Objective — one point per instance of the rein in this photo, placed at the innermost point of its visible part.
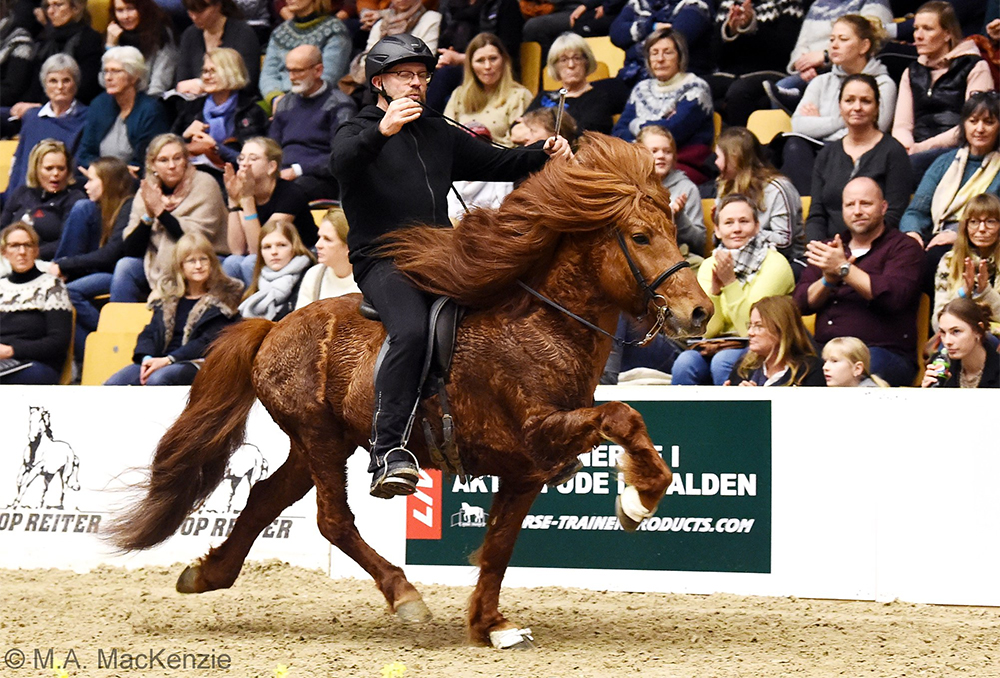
(658, 300)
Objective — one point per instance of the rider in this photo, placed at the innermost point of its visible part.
(395, 165)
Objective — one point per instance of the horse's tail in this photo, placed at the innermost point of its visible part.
(191, 457)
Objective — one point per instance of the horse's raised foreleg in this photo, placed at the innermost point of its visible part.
(336, 523)
(486, 625)
(267, 499)
(647, 476)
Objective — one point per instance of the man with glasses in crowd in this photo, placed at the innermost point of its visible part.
(395, 163)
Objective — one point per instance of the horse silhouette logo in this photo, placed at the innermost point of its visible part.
(247, 466)
(469, 516)
(52, 461)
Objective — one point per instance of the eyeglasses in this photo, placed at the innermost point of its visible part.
(985, 94)
(20, 246)
(113, 71)
(571, 59)
(196, 261)
(990, 224)
(407, 76)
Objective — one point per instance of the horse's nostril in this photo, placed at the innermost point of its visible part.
(699, 316)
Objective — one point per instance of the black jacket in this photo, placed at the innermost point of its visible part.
(103, 259)
(937, 106)
(390, 182)
(208, 317)
(813, 375)
(251, 121)
(45, 211)
(991, 371)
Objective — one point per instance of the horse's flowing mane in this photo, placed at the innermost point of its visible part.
(476, 262)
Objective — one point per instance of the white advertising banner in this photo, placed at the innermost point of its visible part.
(871, 494)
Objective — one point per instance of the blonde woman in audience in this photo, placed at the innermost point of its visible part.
(969, 268)
(191, 304)
(685, 201)
(488, 93)
(781, 351)
(743, 270)
(173, 199)
(36, 316)
(333, 276)
(281, 263)
(744, 170)
(972, 362)
(847, 362)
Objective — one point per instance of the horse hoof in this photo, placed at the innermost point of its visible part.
(413, 612)
(513, 639)
(627, 523)
(188, 581)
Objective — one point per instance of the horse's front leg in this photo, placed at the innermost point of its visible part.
(486, 624)
(647, 476)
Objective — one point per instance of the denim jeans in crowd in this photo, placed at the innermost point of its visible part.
(129, 282)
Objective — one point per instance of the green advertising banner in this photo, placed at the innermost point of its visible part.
(715, 517)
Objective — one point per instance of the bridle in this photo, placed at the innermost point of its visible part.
(658, 301)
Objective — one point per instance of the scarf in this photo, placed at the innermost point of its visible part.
(274, 288)
(181, 190)
(950, 196)
(394, 23)
(748, 259)
(221, 118)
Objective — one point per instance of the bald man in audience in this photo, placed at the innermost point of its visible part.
(867, 287)
(305, 122)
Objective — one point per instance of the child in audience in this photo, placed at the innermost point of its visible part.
(333, 276)
(847, 362)
(277, 276)
(191, 304)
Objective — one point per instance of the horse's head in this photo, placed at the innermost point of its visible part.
(38, 422)
(637, 259)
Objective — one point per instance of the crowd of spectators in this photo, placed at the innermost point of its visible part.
(179, 150)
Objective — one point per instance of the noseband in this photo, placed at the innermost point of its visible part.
(649, 289)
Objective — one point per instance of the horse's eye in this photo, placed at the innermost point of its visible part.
(640, 239)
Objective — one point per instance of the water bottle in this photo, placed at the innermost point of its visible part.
(941, 365)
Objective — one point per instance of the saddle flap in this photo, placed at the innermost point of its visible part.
(445, 316)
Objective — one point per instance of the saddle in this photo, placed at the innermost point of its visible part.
(442, 328)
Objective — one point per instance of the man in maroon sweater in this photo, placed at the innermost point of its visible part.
(868, 287)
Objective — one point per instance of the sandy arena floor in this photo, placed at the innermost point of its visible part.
(279, 616)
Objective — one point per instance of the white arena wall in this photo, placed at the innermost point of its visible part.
(874, 495)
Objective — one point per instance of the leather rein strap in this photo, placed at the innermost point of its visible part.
(658, 300)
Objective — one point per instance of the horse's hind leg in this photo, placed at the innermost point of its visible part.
(336, 523)
(486, 625)
(647, 476)
(267, 499)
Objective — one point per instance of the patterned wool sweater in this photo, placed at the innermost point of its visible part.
(36, 317)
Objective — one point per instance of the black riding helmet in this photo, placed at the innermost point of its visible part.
(397, 49)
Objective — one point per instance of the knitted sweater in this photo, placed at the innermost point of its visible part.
(816, 28)
(692, 18)
(305, 127)
(325, 32)
(683, 105)
(823, 92)
(36, 317)
(765, 43)
(67, 129)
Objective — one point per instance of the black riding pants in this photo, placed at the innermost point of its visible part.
(405, 312)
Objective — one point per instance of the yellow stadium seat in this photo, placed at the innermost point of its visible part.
(549, 84)
(607, 52)
(531, 65)
(767, 124)
(7, 148)
(318, 215)
(708, 212)
(67, 371)
(100, 11)
(717, 124)
(106, 353)
(806, 204)
(810, 322)
(120, 317)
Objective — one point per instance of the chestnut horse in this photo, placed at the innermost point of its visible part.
(522, 378)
